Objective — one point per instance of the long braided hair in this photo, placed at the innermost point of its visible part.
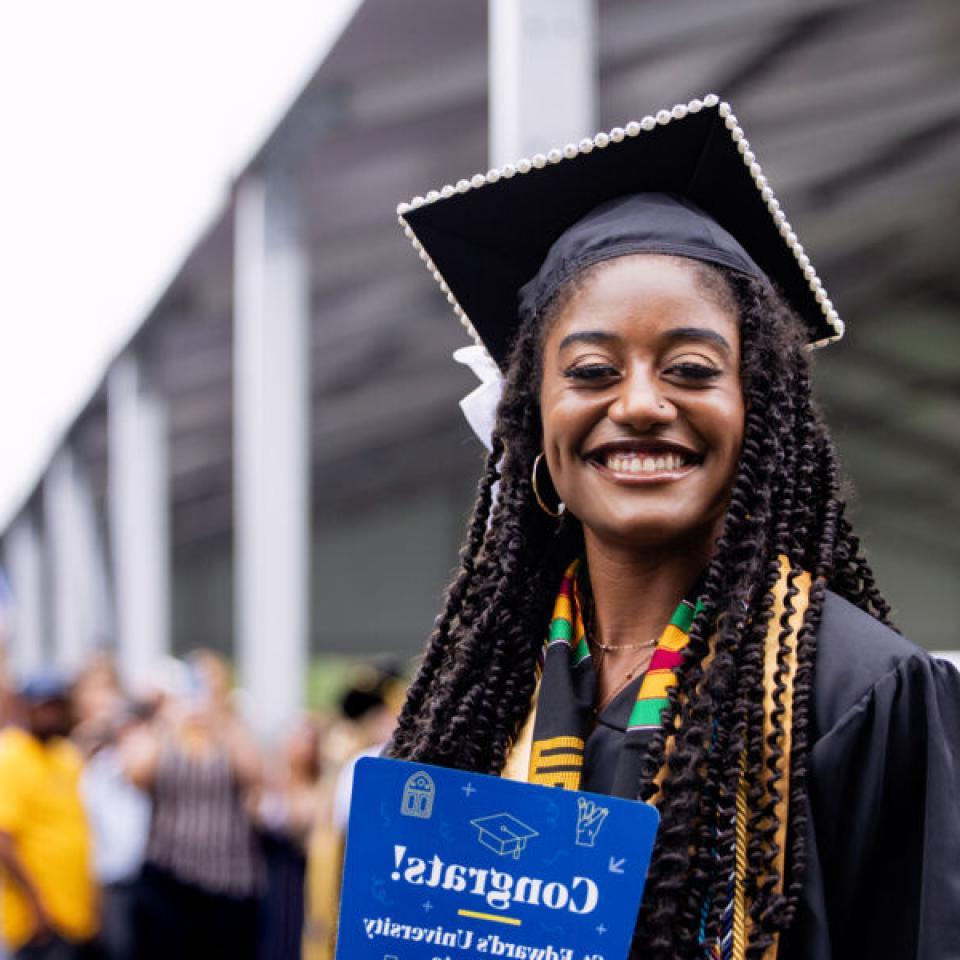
(474, 686)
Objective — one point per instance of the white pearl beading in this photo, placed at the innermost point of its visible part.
(600, 142)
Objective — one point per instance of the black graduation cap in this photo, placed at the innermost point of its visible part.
(486, 237)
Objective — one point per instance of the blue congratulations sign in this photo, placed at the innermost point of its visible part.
(447, 865)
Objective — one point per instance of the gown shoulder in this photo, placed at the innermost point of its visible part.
(854, 653)
(883, 829)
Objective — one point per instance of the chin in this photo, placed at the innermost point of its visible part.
(660, 533)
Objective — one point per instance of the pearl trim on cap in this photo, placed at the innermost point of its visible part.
(600, 142)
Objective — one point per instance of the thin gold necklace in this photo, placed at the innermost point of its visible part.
(630, 674)
(609, 647)
(604, 648)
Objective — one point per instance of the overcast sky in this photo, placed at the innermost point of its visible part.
(121, 125)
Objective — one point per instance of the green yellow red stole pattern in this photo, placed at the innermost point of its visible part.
(558, 760)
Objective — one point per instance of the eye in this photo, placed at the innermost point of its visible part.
(693, 370)
(590, 372)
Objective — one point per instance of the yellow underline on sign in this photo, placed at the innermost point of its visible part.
(512, 921)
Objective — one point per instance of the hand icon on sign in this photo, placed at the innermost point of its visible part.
(590, 817)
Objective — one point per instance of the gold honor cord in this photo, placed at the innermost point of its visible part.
(518, 759)
(740, 867)
(787, 675)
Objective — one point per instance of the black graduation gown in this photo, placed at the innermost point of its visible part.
(883, 850)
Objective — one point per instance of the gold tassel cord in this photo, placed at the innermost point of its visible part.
(740, 868)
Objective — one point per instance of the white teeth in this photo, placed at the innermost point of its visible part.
(635, 463)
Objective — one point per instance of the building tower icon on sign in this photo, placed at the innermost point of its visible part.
(419, 793)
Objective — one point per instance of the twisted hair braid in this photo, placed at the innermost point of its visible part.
(474, 686)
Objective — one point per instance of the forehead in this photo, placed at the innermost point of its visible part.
(643, 295)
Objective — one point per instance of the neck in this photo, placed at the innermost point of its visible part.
(635, 593)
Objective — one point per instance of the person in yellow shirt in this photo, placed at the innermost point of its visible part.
(48, 899)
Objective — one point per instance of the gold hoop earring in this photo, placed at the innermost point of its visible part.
(561, 507)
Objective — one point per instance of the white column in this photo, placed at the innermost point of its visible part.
(542, 75)
(79, 598)
(139, 511)
(23, 557)
(271, 451)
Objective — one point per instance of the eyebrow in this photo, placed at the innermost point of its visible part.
(677, 333)
(699, 333)
(587, 336)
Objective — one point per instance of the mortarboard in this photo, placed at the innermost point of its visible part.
(486, 238)
(503, 834)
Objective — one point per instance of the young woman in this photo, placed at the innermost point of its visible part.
(198, 890)
(662, 503)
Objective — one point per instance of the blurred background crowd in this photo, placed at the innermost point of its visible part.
(151, 824)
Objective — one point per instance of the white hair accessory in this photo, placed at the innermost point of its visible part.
(480, 405)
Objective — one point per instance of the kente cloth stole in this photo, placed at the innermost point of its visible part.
(557, 760)
(550, 746)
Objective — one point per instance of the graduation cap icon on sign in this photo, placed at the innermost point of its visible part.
(504, 834)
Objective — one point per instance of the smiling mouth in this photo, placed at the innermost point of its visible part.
(644, 462)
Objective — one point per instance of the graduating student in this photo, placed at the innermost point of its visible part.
(662, 503)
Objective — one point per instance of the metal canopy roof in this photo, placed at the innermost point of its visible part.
(854, 111)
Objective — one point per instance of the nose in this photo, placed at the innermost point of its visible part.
(640, 402)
